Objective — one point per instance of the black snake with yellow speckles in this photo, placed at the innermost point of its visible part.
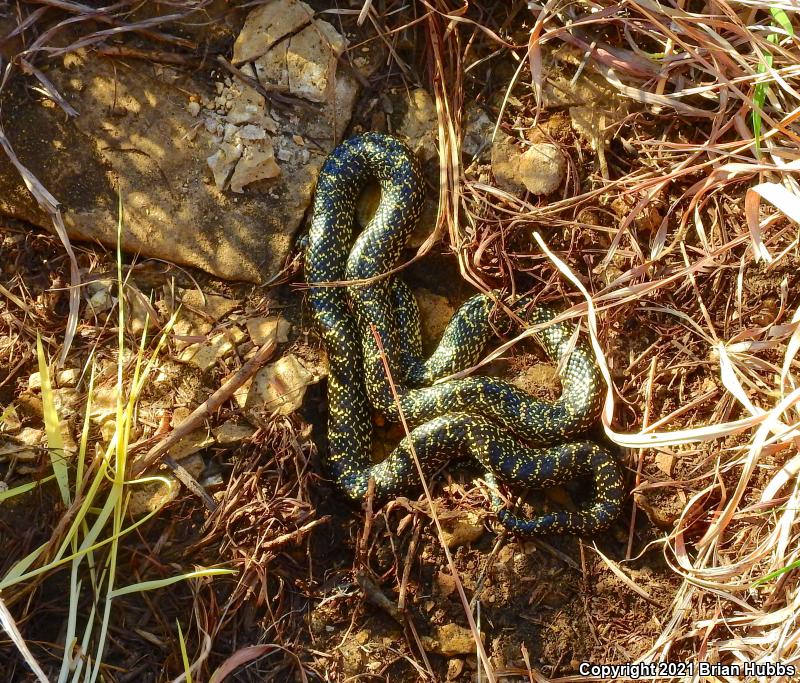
(517, 439)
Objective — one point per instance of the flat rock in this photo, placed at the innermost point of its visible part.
(230, 433)
(278, 388)
(266, 25)
(154, 495)
(272, 328)
(204, 355)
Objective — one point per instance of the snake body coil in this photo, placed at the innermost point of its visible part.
(516, 438)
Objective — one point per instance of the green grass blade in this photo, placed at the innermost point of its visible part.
(162, 583)
(782, 20)
(184, 656)
(24, 488)
(17, 572)
(55, 442)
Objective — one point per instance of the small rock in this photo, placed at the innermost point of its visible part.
(9, 420)
(99, 302)
(466, 528)
(205, 355)
(230, 132)
(66, 400)
(539, 170)
(478, 130)
(100, 298)
(141, 315)
(268, 124)
(104, 403)
(193, 108)
(542, 168)
(180, 414)
(107, 430)
(662, 514)
(271, 67)
(353, 653)
(305, 63)
(435, 313)
(248, 107)
(68, 377)
(257, 163)
(67, 439)
(561, 90)
(311, 61)
(251, 131)
(75, 59)
(35, 380)
(229, 433)
(211, 124)
(665, 462)
(445, 583)
(505, 164)
(505, 558)
(30, 437)
(24, 447)
(264, 330)
(213, 305)
(279, 387)
(223, 161)
(152, 496)
(454, 668)
(341, 105)
(190, 444)
(450, 640)
(420, 124)
(241, 394)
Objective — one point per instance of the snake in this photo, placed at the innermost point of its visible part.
(368, 321)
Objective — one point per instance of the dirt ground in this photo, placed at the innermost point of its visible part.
(553, 600)
(329, 592)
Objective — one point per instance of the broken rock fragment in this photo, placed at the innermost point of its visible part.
(266, 25)
(257, 163)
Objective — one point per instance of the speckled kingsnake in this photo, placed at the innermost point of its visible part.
(482, 417)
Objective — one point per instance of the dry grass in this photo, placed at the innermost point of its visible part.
(722, 183)
(675, 239)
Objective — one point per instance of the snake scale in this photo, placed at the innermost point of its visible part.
(516, 438)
